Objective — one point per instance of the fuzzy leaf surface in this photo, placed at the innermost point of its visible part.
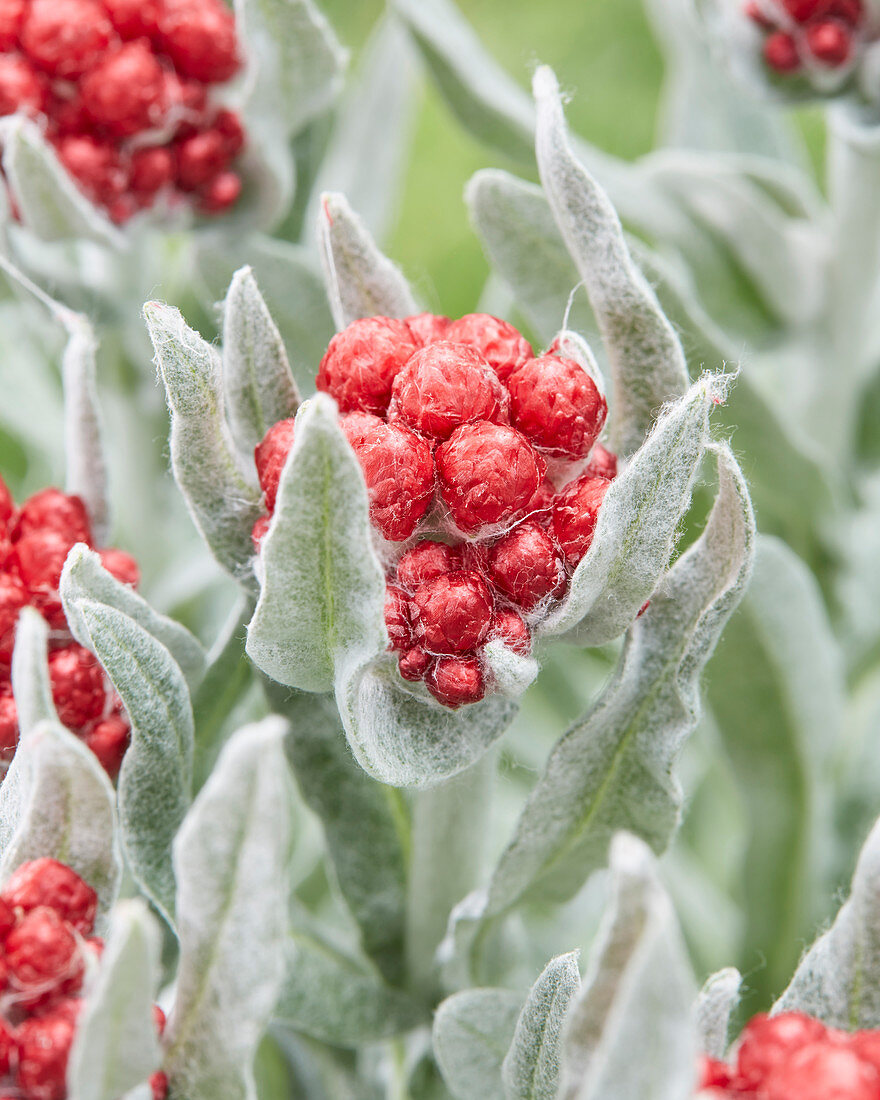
(717, 1001)
(231, 860)
(30, 672)
(472, 1034)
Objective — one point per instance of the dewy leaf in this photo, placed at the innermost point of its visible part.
(85, 578)
(156, 775)
(116, 1047)
(717, 1000)
(56, 800)
(231, 859)
(361, 282)
(221, 492)
(30, 672)
(647, 362)
(322, 587)
(638, 522)
(531, 1067)
(258, 386)
(472, 1034)
(630, 1032)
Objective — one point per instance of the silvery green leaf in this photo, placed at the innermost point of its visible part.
(361, 282)
(231, 860)
(616, 767)
(85, 578)
(630, 1032)
(531, 1067)
(511, 672)
(48, 201)
(116, 1047)
(56, 800)
(322, 588)
(219, 489)
(366, 826)
(638, 523)
(472, 1034)
(647, 362)
(836, 978)
(258, 386)
(777, 695)
(156, 776)
(717, 1000)
(30, 672)
(334, 999)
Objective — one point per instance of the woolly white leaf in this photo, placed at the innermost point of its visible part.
(116, 1047)
(717, 1000)
(637, 524)
(231, 860)
(156, 775)
(511, 672)
(218, 488)
(647, 362)
(30, 672)
(630, 1031)
(56, 800)
(258, 386)
(361, 282)
(531, 1067)
(85, 578)
(472, 1034)
(322, 588)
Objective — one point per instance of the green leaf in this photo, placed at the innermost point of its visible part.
(220, 490)
(361, 282)
(647, 362)
(511, 672)
(717, 1001)
(472, 1034)
(322, 587)
(258, 386)
(57, 801)
(629, 1032)
(231, 859)
(116, 1047)
(531, 1067)
(156, 776)
(30, 672)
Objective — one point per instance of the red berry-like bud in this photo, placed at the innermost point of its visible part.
(108, 740)
(133, 18)
(358, 425)
(52, 510)
(822, 1071)
(13, 598)
(803, 10)
(426, 328)
(849, 12)
(159, 1085)
(456, 681)
(199, 36)
(39, 559)
(500, 344)
(556, 405)
(77, 686)
(426, 561)
(361, 362)
(200, 159)
(11, 19)
(714, 1074)
(44, 1044)
(21, 87)
(867, 1045)
(95, 165)
(270, 456)
(43, 956)
(488, 474)
(152, 168)
(397, 620)
(444, 385)
(124, 93)
(452, 613)
(414, 664)
(510, 628)
(574, 515)
(781, 52)
(65, 38)
(526, 565)
(8, 726)
(159, 1020)
(47, 882)
(768, 1041)
(120, 565)
(830, 42)
(221, 193)
(602, 464)
(228, 125)
(259, 531)
(399, 472)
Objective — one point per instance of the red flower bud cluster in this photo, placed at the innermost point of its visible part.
(122, 88)
(482, 467)
(47, 914)
(795, 1057)
(808, 35)
(34, 542)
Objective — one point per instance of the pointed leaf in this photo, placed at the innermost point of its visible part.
(258, 385)
(647, 362)
(231, 860)
(322, 588)
(630, 1032)
(30, 672)
(472, 1034)
(116, 1047)
(531, 1067)
(361, 282)
(717, 1001)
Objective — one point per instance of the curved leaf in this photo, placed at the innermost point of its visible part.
(472, 1034)
(30, 672)
(717, 1001)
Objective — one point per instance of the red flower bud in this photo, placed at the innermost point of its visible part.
(456, 681)
(526, 565)
(575, 511)
(556, 405)
(46, 882)
(452, 613)
(361, 362)
(500, 344)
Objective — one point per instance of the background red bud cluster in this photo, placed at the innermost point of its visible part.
(123, 89)
(484, 478)
(807, 32)
(34, 542)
